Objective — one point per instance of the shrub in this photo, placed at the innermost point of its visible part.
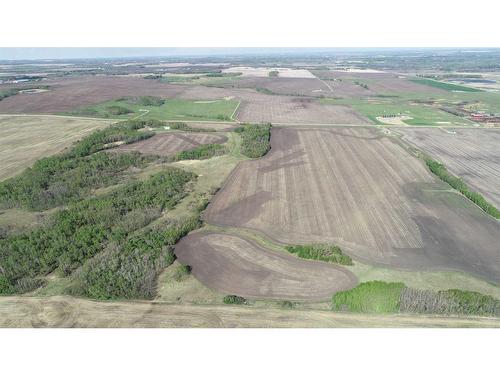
(255, 139)
(234, 300)
(181, 272)
(370, 297)
(326, 253)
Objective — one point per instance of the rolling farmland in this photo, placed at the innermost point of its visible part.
(166, 144)
(472, 154)
(364, 192)
(234, 265)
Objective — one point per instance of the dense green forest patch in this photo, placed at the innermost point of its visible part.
(201, 152)
(85, 228)
(255, 139)
(323, 252)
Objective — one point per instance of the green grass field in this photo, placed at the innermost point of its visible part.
(420, 114)
(445, 85)
(172, 109)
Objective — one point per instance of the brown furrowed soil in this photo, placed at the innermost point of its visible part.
(61, 311)
(362, 191)
(286, 109)
(232, 265)
(378, 83)
(25, 139)
(166, 144)
(472, 154)
(67, 94)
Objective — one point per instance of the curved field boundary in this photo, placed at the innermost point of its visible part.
(353, 188)
(233, 265)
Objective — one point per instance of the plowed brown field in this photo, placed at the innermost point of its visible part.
(233, 265)
(364, 192)
(171, 143)
(472, 154)
(285, 109)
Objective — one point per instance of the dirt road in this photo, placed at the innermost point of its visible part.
(73, 312)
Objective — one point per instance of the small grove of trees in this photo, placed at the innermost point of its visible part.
(323, 252)
(234, 300)
(255, 139)
(273, 73)
(145, 100)
(117, 110)
(457, 183)
(201, 152)
(389, 297)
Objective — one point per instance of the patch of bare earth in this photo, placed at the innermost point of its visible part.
(68, 94)
(362, 191)
(166, 144)
(296, 110)
(233, 265)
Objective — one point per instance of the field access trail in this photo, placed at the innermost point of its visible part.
(63, 311)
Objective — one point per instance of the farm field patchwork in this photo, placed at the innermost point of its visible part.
(363, 192)
(25, 139)
(233, 265)
(472, 154)
(166, 144)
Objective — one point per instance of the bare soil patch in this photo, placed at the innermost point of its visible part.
(67, 94)
(166, 144)
(296, 110)
(233, 265)
(472, 154)
(358, 189)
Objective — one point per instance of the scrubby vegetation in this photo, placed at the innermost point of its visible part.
(383, 297)
(117, 110)
(86, 227)
(145, 100)
(457, 183)
(323, 252)
(201, 152)
(255, 139)
(273, 73)
(69, 176)
(186, 128)
(181, 272)
(234, 300)
(449, 302)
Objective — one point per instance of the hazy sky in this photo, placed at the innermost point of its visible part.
(41, 53)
